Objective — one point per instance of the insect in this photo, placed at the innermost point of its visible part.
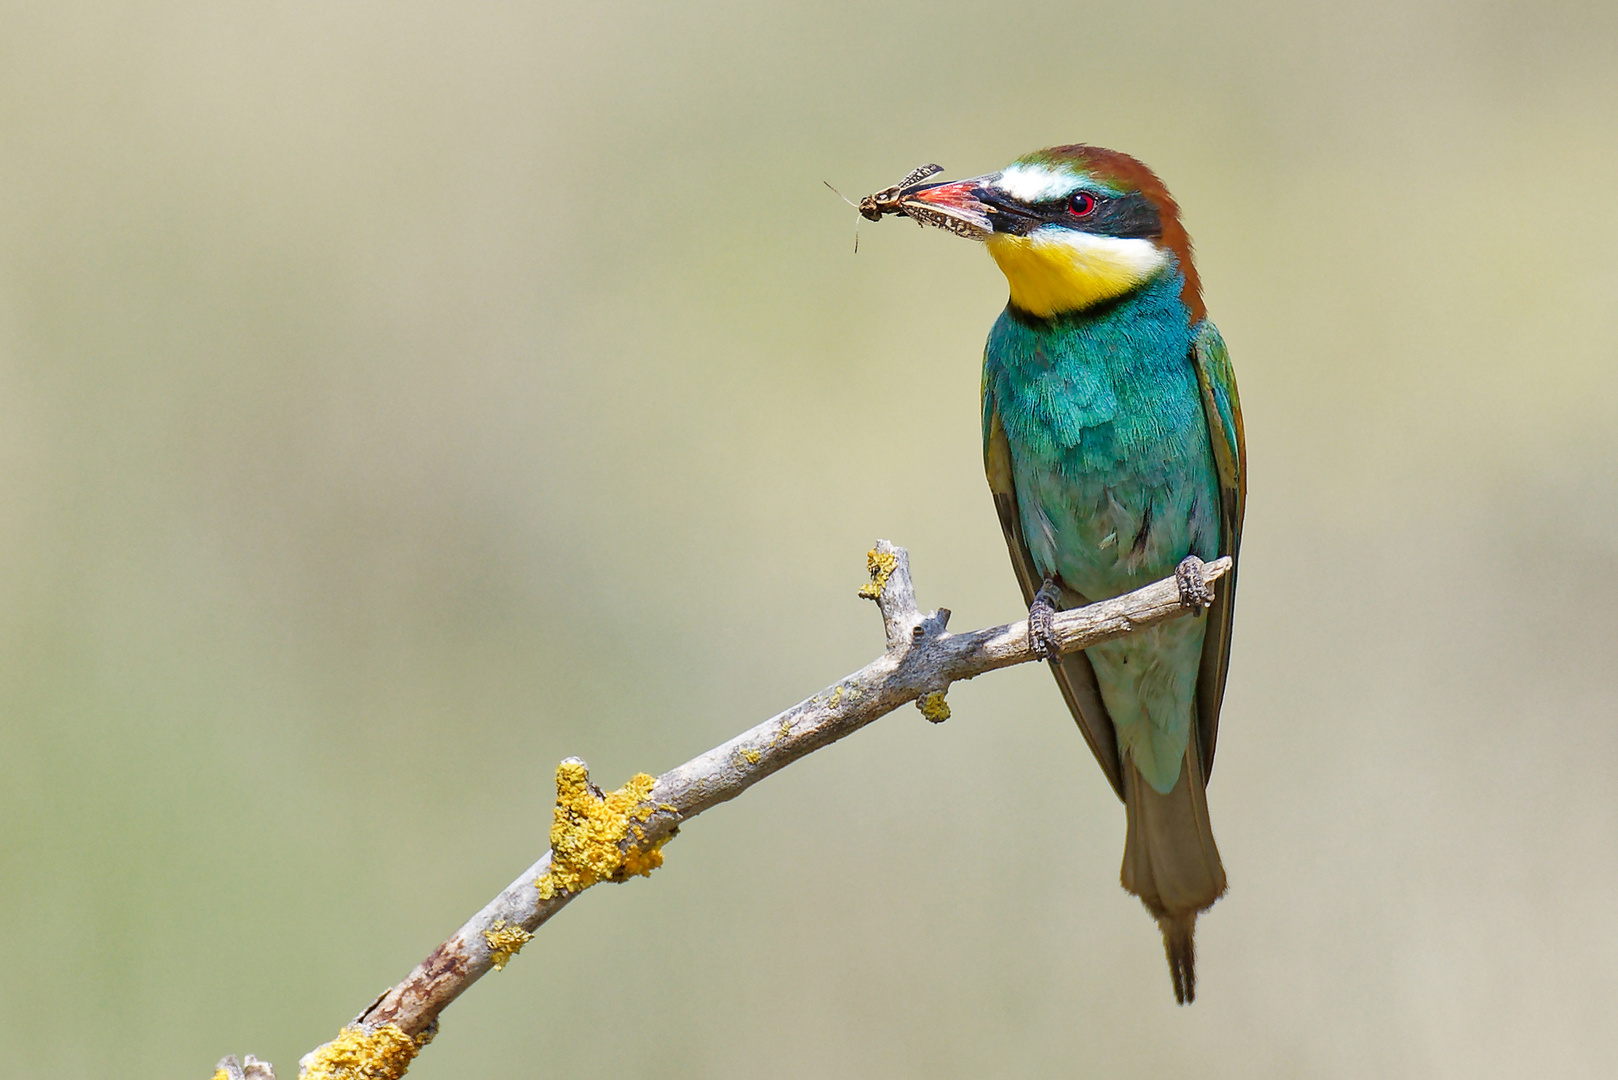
(971, 221)
(893, 200)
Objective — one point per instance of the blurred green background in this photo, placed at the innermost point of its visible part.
(397, 398)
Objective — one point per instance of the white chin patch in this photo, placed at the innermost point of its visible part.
(1035, 183)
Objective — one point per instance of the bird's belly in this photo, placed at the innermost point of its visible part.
(1107, 531)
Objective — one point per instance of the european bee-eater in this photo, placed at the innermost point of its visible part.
(1112, 438)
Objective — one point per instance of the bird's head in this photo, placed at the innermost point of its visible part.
(1071, 227)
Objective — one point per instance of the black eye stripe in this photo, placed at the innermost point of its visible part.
(1126, 216)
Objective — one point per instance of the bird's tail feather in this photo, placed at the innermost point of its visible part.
(1171, 863)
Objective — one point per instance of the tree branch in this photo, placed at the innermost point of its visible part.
(601, 836)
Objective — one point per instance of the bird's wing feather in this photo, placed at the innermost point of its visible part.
(1224, 412)
(1073, 671)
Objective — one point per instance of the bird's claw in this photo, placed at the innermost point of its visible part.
(1042, 621)
(1194, 591)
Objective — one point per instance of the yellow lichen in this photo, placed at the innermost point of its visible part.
(836, 696)
(933, 706)
(221, 1074)
(357, 1054)
(505, 941)
(752, 756)
(589, 829)
(643, 861)
(880, 564)
(783, 732)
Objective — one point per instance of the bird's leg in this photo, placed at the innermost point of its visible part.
(1042, 620)
(1194, 591)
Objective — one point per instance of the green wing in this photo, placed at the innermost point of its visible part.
(1224, 411)
(1073, 671)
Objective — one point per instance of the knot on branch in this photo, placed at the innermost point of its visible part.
(383, 1054)
(598, 836)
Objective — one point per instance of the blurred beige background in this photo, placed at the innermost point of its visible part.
(394, 399)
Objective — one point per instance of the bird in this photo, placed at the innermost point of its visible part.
(1115, 452)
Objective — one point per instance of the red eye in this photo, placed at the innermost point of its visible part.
(1082, 204)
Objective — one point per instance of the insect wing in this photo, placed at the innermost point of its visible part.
(916, 176)
(923, 214)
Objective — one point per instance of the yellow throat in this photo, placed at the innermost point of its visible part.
(1054, 270)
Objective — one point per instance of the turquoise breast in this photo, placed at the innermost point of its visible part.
(1116, 484)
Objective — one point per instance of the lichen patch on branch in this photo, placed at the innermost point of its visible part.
(933, 706)
(358, 1054)
(589, 830)
(881, 564)
(505, 941)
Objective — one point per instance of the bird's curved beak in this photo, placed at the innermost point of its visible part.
(972, 208)
(957, 205)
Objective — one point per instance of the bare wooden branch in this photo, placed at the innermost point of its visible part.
(921, 660)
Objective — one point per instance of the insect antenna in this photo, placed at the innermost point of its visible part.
(852, 203)
(840, 195)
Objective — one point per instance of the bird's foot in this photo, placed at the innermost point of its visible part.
(1194, 591)
(1042, 621)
